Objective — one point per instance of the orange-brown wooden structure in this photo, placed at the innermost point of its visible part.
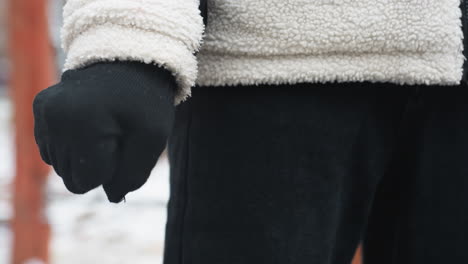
(32, 69)
(358, 258)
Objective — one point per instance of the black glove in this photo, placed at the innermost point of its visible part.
(105, 124)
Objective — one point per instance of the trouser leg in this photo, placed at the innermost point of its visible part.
(420, 215)
(277, 174)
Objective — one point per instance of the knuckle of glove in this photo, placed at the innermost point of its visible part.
(68, 112)
(73, 126)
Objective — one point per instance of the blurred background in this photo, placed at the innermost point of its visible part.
(40, 221)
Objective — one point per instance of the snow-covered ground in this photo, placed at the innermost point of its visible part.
(6, 173)
(87, 228)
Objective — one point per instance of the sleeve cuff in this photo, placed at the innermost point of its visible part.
(110, 42)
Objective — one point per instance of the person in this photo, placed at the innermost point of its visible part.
(297, 129)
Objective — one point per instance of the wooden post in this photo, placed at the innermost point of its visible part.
(358, 258)
(31, 70)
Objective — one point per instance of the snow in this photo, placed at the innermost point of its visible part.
(6, 173)
(87, 228)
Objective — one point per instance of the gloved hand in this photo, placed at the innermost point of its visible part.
(105, 124)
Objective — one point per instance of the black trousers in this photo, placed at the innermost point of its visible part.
(303, 173)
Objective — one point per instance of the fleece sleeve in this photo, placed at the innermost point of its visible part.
(163, 32)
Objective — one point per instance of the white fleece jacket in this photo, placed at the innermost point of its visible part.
(273, 41)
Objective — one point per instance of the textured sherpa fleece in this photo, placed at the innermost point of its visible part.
(162, 32)
(277, 41)
(272, 41)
